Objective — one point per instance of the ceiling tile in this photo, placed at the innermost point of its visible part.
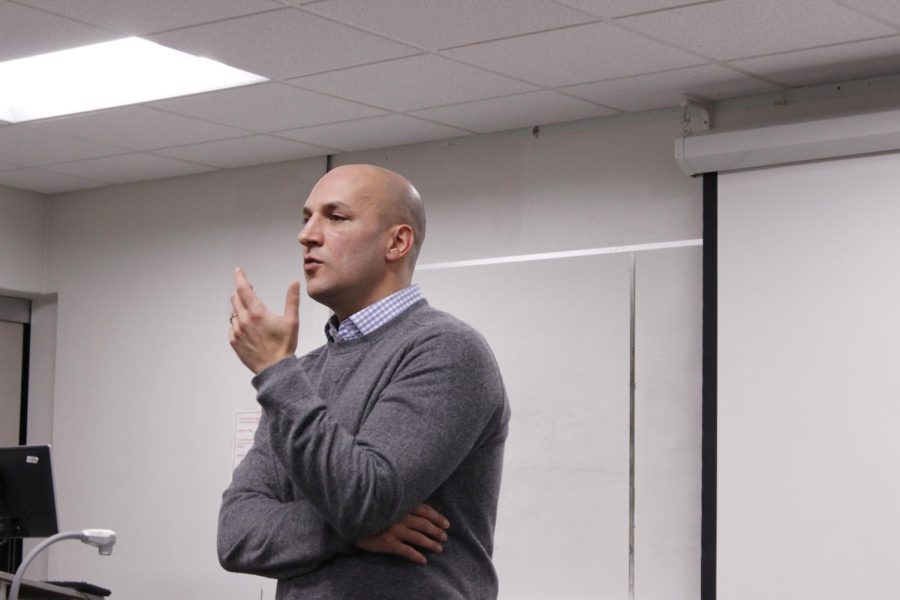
(266, 107)
(889, 10)
(7, 166)
(846, 62)
(138, 17)
(415, 82)
(242, 152)
(443, 23)
(662, 90)
(129, 167)
(25, 32)
(45, 182)
(137, 128)
(616, 8)
(575, 55)
(733, 29)
(513, 112)
(283, 43)
(376, 132)
(31, 147)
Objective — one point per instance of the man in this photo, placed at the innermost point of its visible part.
(370, 443)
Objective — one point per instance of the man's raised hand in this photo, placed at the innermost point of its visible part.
(424, 527)
(259, 336)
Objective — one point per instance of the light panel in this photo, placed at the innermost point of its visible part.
(117, 73)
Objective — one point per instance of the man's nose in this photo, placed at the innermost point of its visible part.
(309, 233)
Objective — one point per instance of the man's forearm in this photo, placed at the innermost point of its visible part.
(263, 530)
(262, 536)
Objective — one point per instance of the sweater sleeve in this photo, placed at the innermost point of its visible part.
(262, 533)
(422, 426)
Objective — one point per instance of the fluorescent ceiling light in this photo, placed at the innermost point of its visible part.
(126, 71)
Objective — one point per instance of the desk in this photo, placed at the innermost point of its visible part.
(36, 590)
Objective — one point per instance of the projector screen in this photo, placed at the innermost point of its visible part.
(809, 381)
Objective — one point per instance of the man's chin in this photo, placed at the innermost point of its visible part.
(318, 293)
(313, 292)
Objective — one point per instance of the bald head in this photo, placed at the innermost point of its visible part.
(362, 230)
(392, 194)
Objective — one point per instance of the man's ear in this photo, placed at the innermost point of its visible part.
(400, 242)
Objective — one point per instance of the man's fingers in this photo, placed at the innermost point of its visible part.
(403, 540)
(411, 536)
(425, 526)
(292, 301)
(237, 307)
(244, 290)
(410, 553)
(426, 512)
(240, 278)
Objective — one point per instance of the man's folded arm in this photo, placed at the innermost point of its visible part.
(263, 535)
(423, 425)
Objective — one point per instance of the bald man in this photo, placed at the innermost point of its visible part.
(376, 467)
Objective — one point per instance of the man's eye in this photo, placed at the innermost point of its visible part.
(335, 217)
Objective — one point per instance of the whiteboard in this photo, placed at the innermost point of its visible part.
(560, 331)
(668, 424)
(808, 410)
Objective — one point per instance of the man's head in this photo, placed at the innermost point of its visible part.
(363, 228)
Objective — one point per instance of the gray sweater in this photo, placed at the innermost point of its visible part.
(356, 434)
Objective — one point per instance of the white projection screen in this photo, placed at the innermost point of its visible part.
(809, 381)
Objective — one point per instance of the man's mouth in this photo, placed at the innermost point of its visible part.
(310, 263)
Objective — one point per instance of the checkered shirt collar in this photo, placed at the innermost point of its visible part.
(373, 316)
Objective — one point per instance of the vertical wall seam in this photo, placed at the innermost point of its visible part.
(631, 423)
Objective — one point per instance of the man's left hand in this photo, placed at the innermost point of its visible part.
(259, 336)
(424, 528)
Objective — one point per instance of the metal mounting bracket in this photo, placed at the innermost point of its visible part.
(696, 115)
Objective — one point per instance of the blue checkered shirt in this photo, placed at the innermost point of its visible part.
(373, 316)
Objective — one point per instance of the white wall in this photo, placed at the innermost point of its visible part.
(23, 241)
(595, 183)
(146, 384)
